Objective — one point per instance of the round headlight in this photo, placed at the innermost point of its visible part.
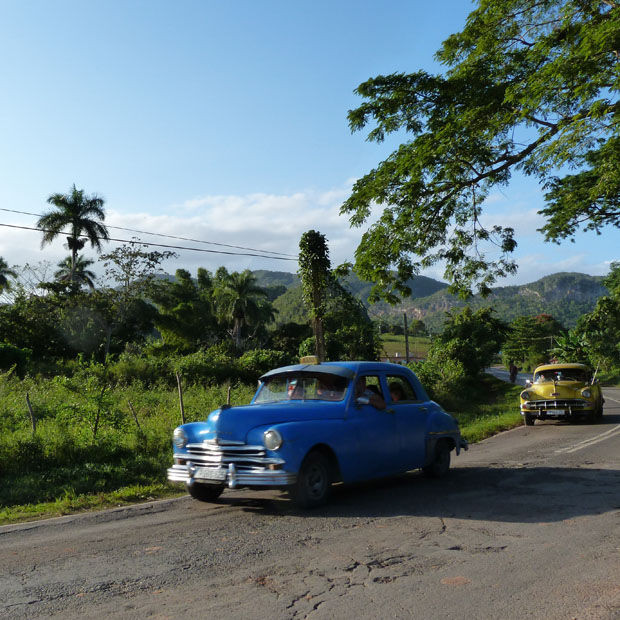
(586, 393)
(525, 395)
(179, 438)
(272, 439)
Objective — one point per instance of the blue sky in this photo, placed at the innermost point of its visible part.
(220, 121)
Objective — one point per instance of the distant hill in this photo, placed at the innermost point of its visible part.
(275, 278)
(566, 296)
(290, 305)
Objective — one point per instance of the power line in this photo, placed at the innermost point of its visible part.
(162, 245)
(145, 232)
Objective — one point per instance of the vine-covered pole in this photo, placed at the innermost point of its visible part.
(315, 273)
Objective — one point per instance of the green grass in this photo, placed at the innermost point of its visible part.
(392, 344)
(609, 379)
(492, 406)
(63, 470)
(70, 503)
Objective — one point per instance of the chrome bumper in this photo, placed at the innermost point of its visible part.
(232, 476)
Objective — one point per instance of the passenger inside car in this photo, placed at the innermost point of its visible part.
(362, 390)
(330, 388)
(396, 391)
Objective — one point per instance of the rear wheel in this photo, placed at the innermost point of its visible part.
(528, 420)
(205, 492)
(440, 464)
(314, 481)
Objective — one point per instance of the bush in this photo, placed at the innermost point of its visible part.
(443, 378)
(206, 367)
(257, 362)
(147, 370)
(12, 356)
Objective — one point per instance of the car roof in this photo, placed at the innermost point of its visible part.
(559, 366)
(340, 369)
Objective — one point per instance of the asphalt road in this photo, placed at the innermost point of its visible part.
(527, 525)
(504, 375)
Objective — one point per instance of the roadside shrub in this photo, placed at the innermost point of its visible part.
(206, 367)
(443, 377)
(130, 368)
(258, 361)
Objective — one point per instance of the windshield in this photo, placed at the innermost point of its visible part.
(561, 374)
(301, 386)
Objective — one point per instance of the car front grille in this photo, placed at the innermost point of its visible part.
(564, 403)
(240, 464)
(222, 454)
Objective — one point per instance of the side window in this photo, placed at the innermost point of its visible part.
(400, 389)
(373, 384)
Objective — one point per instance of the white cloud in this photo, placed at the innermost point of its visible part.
(263, 222)
(275, 223)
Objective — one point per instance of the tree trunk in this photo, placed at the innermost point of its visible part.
(237, 333)
(406, 338)
(319, 338)
(317, 324)
(73, 261)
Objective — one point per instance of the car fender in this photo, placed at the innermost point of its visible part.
(300, 438)
(442, 426)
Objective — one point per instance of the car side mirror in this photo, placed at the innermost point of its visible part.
(528, 383)
(362, 400)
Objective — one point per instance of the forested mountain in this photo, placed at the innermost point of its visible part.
(566, 296)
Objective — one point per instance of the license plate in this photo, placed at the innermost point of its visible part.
(207, 473)
(556, 412)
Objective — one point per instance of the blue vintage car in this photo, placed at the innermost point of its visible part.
(310, 425)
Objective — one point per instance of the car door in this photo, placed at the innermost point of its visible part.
(410, 416)
(377, 450)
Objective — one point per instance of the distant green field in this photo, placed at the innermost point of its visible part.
(391, 345)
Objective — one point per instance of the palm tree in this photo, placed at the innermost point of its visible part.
(5, 273)
(241, 301)
(78, 273)
(82, 214)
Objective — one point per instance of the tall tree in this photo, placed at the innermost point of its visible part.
(599, 329)
(531, 86)
(5, 273)
(78, 274)
(132, 270)
(473, 337)
(82, 215)
(241, 301)
(315, 274)
(186, 310)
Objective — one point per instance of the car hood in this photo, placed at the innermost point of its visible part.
(234, 423)
(562, 389)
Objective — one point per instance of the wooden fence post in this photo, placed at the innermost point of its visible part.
(135, 416)
(181, 398)
(32, 418)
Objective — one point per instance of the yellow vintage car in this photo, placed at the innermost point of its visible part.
(561, 392)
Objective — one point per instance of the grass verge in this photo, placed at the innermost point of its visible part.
(71, 503)
(493, 407)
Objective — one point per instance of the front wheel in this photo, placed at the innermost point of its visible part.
(205, 492)
(529, 420)
(314, 482)
(440, 464)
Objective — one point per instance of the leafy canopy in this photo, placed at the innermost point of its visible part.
(530, 85)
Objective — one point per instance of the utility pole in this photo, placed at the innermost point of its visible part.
(406, 339)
